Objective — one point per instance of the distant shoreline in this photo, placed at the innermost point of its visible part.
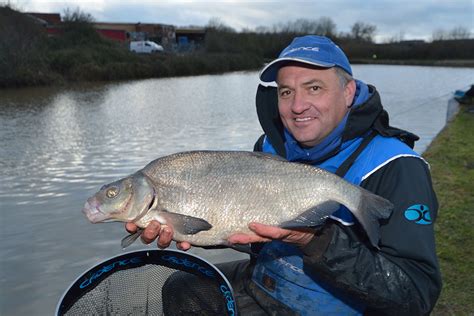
(186, 68)
(416, 62)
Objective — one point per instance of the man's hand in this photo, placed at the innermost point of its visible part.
(266, 233)
(163, 234)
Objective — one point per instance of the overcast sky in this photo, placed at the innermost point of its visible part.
(408, 19)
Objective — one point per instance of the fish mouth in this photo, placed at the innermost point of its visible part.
(92, 211)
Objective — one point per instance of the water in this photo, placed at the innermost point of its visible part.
(59, 145)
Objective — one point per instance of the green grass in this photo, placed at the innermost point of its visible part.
(451, 157)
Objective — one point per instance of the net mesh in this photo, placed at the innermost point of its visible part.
(129, 292)
(139, 291)
(192, 295)
(156, 282)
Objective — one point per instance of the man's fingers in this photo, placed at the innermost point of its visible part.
(151, 232)
(131, 227)
(155, 230)
(183, 245)
(166, 235)
(262, 233)
(271, 232)
(299, 237)
(247, 239)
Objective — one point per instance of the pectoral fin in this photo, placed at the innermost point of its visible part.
(315, 216)
(184, 224)
(130, 239)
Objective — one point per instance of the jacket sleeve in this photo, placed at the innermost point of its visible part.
(402, 278)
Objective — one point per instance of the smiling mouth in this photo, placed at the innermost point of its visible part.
(304, 119)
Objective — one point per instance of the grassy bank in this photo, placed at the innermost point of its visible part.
(451, 157)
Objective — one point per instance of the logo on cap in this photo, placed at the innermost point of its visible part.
(313, 49)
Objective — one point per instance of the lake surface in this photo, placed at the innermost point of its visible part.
(59, 145)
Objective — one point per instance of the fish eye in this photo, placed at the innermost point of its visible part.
(112, 192)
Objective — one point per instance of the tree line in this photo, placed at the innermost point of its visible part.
(29, 57)
(358, 44)
(359, 31)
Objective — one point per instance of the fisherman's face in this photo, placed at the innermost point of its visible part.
(312, 101)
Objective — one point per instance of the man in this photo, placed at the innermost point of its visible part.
(326, 118)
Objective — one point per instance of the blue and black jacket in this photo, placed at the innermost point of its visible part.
(339, 272)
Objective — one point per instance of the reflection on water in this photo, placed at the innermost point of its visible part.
(57, 146)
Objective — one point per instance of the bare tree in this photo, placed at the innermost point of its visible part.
(216, 24)
(363, 31)
(459, 32)
(439, 35)
(327, 27)
(78, 28)
(322, 26)
(262, 29)
(397, 38)
(77, 16)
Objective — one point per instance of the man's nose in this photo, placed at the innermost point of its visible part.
(300, 103)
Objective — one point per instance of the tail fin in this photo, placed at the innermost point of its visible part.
(372, 208)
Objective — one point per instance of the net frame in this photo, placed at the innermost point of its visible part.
(172, 260)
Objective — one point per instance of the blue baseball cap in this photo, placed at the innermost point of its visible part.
(310, 49)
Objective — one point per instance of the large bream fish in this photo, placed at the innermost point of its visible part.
(209, 195)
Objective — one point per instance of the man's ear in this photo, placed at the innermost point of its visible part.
(349, 92)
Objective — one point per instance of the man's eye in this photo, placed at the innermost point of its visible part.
(284, 93)
(315, 88)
